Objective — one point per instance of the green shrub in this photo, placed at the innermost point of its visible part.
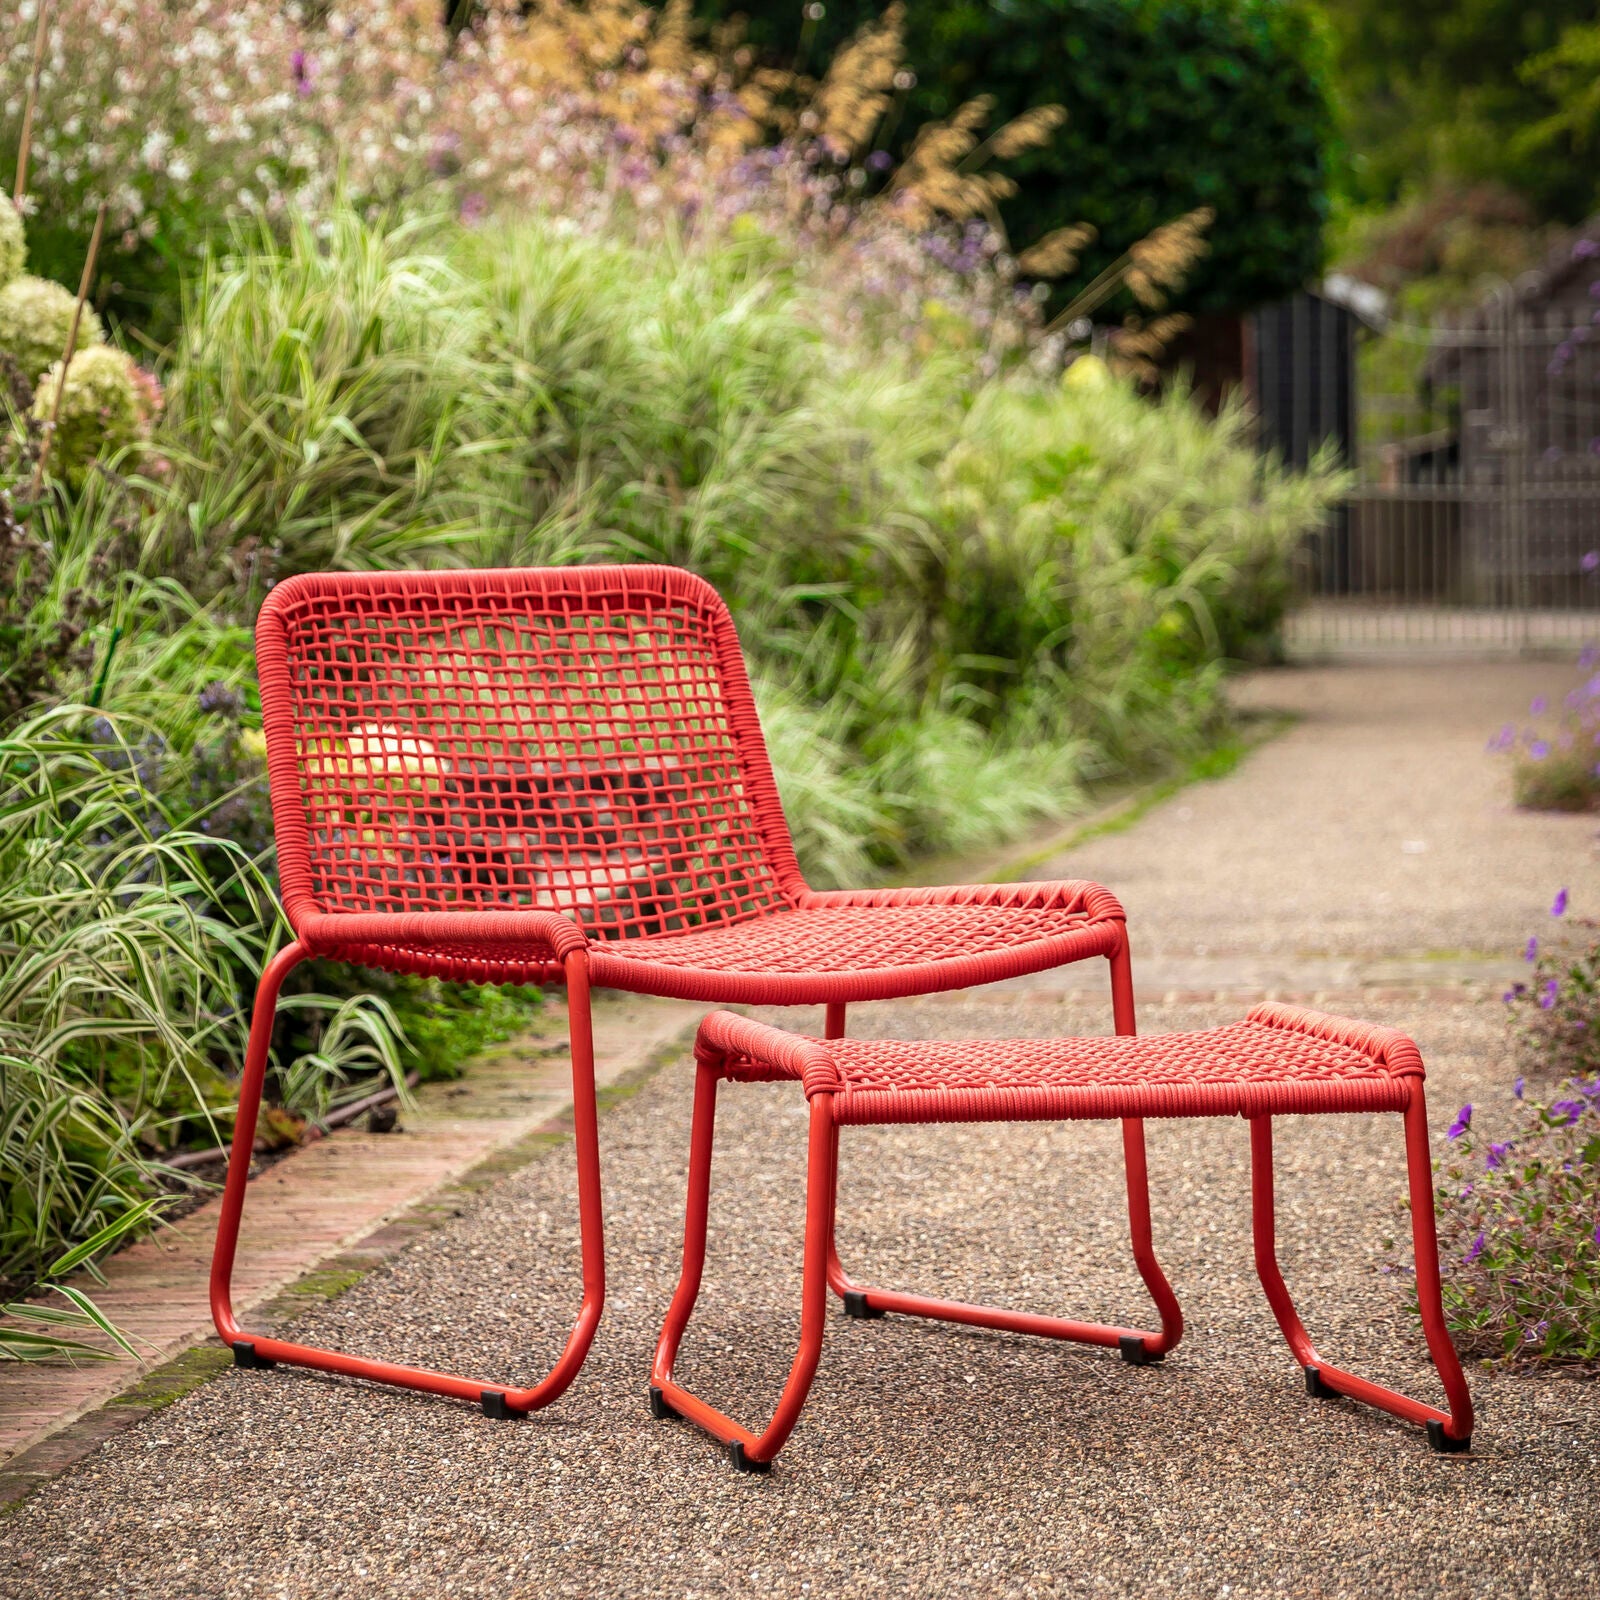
(324, 408)
(1555, 758)
(35, 318)
(1519, 1242)
(115, 961)
(1049, 573)
(1556, 1013)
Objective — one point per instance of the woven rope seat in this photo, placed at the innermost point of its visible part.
(1278, 1060)
(830, 947)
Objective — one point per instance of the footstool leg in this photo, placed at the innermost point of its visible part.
(1137, 1347)
(1448, 1431)
(749, 1452)
(1149, 1347)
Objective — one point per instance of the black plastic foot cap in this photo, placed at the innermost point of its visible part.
(494, 1405)
(1316, 1388)
(1443, 1443)
(742, 1462)
(1131, 1348)
(855, 1305)
(659, 1408)
(244, 1355)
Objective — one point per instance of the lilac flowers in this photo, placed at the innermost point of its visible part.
(1461, 1124)
(1559, 907)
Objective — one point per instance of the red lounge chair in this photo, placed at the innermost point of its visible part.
(541, 775)
(1279, 1060)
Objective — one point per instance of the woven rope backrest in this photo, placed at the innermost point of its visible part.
(578, 739)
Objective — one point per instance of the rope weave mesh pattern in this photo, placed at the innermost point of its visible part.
(565, 740)
(1278, 1059)
(846, 938)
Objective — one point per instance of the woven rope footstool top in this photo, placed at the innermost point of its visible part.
(1280, 1059)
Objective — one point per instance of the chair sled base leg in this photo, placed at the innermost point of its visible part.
(660, 1408)
(1316, 1388)
(742, 1462)
(244, 1355)
(1443, 1443)
(855, 1305)
(1131, 1347)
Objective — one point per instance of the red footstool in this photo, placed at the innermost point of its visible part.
(1278, 1060)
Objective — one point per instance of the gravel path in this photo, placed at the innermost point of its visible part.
(931, 1460)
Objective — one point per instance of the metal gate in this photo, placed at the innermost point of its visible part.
(1474, 522)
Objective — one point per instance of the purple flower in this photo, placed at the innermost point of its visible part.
(1597, 1233)
(1590, 558)
(1536, 1332)
(218, 699)
(1559, 908)
(1496, 1158)
(879, 161)
(1538, 706)
(1476, 1250)
(1531, 951)
(1519, 1086)
(1548, 991)
(300, 71)
(1461, 1124)
(473, 207)
(1568, 1110)
(1504, 740)
(1584, 249)
(1539, 749)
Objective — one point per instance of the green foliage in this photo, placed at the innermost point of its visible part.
(95, 407)
(133, 909)
(40, 1332)
(1171, 105)
(114, 956)
(1518, 1241)
(1557, 1012)
(323, 408)
(1445, 91)
(1041, 574)
(1569, 75)
(1553, 756)
(13, 243)
(1563, 780)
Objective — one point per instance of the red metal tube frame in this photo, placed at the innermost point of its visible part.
(498, 1399)
(1448, 1430)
